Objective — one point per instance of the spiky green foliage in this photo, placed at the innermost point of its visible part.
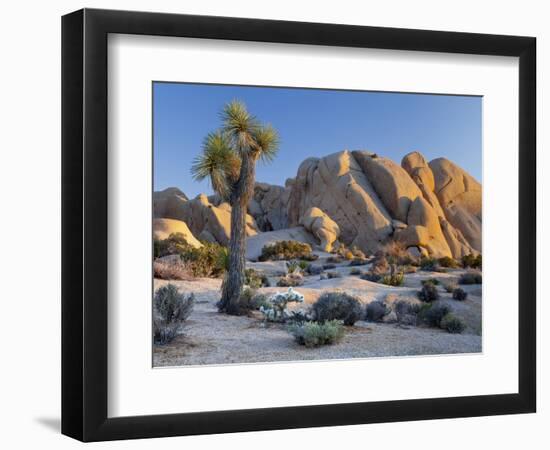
(239, 126)
(266, 143)
(218, 162)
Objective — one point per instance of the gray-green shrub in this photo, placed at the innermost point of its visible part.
(460, 294)
(337, 306)
(452, 324)
(428, 293)
(170, 310)
(314, 334)
(470, 278)
(432, 314)
(376, 311)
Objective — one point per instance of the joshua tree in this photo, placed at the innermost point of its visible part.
(228, 159)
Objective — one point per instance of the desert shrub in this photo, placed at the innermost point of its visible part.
(299, 317)
(291, 280)
(304, 265)
(314, 269)
(329, 266)
(337, 306)
(380, 265)
(428, 293)
(358, 262)
(369, 276)
(433, 313)
(452, 324)
(333, 274)
(450, 286)
(170, 310)
(314, 334)
(429, 264)
(334, 260)
(355, 271)
(433, 281)
(460, 294)
(447, 261)
(175, 270)
(406, 312)
(285, 250)
(396, 253)
(394, 279)
(175, 244)
(210, 260)
(471, 261)
(275, 310)
(293, 267)
(255, 279)
(470, 278)
(376, 311)
(358, 253)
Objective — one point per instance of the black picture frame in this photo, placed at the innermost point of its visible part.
(84, 224)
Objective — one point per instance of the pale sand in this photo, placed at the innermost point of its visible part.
(213, 338)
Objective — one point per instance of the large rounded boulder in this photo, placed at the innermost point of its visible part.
(322, 227)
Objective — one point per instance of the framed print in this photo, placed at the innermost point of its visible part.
(273, 224)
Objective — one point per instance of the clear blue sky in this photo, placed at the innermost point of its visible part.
(313, 122)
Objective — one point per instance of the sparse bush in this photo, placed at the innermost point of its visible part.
(449, 262)
(314, 334)
(314, 269)
(275, 310)
(334, 260)
(395, 279)
(429, 264)
(369, 276)
(293, 267)
(396, 253)
(428, 293)
(452, 324)
(358, 262)
(472, 261)
(355, 271)
(433, 313)
(175, 244)
(285, 250)
(170, 310)
(255, 279)
(304, 265)
(329, 266)
(406, 312)
(337, 306)
(380, 265)
(333, 274)
(299, 317)
(291, 280)
(460, 294)
(433, 281)
(450, 286)
(210, 260)
(175, 270)
(470, 278)
(376, 311)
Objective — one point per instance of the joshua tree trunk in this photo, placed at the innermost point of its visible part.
(235, 278)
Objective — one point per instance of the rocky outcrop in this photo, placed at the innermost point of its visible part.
(391, 182)
(321, 226)
(424, 230)
(460, 197)
(206, 221)
(162, 228)
(337, 185)
(269, 206)
(256, 243)
(445, 191)
(169, 203)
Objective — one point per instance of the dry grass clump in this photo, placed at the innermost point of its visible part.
(176, 270)
(396, 253)
(286, 250)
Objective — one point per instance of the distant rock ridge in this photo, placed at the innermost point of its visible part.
(358, 197)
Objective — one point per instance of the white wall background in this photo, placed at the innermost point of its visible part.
(30, 227)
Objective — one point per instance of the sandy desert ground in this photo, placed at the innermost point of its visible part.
(213, 338)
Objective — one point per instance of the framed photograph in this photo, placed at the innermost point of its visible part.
(273, 224)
